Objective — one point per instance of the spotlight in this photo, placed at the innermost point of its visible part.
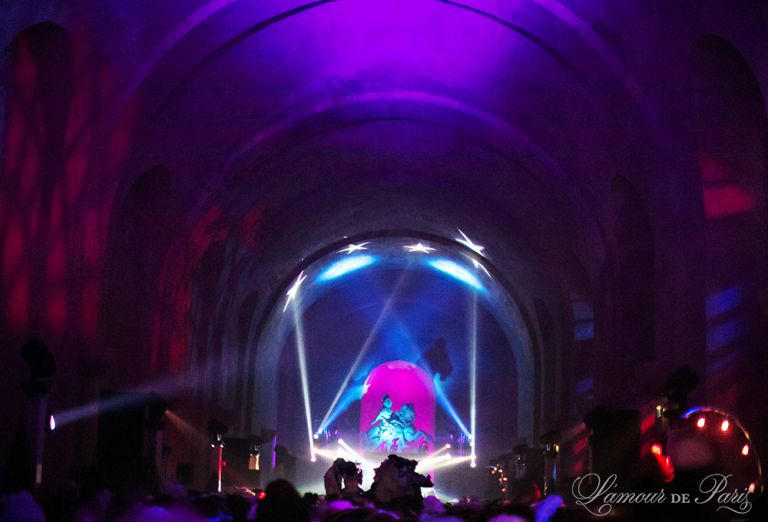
(447, 446)
(315, 436)
(656, 449)
(745, 450)
(701, 422)
(313, 459)
(725, 425)
(752, 487)
(52, 423)
(473, 464)
(341, 441)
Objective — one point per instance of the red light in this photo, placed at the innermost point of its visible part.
(262, 494)
(656, 449)
(701, 422)
(725, 425)
(745, 450)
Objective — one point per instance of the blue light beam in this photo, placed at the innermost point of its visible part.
(352, 394)
(456, 271)
(345, 266)
(443, 400)
(363, 350)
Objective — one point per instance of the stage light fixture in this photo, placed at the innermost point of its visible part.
(656, 449)
(745, 450)
(52, 422)
(701, 422)
(725, 425)
(752, 487)
(316, 436)
(437, 452)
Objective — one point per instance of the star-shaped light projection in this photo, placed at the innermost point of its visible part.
(468, 243)
(354, 248)
(291, 293)
(477, 264)
(419, 247)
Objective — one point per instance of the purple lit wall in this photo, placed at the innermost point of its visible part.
(167, 168)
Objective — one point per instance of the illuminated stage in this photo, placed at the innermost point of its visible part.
(407, 345)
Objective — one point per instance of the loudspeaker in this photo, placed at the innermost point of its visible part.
(120, 445)
(615, 443)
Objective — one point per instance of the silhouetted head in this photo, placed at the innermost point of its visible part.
(282, 503)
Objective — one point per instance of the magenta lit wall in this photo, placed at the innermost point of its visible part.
(405, 383)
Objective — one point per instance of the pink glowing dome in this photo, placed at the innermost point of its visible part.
(408, 424)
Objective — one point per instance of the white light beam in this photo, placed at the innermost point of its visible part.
(302, 356)
(469, 244)
(354, 248)
(293, 291)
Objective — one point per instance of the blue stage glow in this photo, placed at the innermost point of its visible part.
(345, 266)
(442, 400)
(352, 394)
(456, 271)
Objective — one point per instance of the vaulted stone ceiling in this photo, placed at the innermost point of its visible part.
(185, 140)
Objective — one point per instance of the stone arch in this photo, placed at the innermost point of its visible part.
(38, 70)
(135, 254)
(730, 129)
(512, 318)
